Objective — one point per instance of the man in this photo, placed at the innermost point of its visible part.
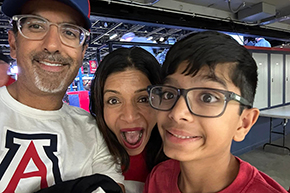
(5, 79)
(42, 140)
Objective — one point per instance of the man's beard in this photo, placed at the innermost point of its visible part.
(51, 82)
(52, 85)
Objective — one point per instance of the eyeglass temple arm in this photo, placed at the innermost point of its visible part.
(241, 100)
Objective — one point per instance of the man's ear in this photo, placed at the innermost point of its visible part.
(248, 119)
(12, 43)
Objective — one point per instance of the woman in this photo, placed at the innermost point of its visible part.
(119, 102)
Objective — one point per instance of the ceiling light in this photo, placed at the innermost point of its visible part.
(150, 38)
(113, 36)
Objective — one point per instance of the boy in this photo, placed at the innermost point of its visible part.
(204, 104)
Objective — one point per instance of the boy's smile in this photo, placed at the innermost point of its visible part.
(178, 136)
(188, 137)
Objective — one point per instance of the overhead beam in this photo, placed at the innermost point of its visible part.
(168, 19)
(257, 12)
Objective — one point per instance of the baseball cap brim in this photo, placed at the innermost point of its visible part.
(13, 7)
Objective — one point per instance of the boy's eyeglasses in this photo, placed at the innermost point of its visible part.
(35, 28)
(203, 102)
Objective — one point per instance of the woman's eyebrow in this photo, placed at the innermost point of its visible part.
(116, 92)
(113, 91)
(141, 90)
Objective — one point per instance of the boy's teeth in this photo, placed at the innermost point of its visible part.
(51, 64)
(182, 137)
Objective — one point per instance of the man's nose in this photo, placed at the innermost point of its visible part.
(52, 41)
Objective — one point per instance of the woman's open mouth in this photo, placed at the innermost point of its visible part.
(132, 138)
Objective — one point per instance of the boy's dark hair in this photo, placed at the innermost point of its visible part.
(210, 48)
(118, 61)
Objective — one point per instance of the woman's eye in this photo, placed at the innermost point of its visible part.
(168, 95)
(143, 99)
(208, 98)
(113, 101)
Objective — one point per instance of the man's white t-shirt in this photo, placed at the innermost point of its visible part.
(41, 148)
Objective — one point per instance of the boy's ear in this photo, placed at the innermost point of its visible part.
(248, 119)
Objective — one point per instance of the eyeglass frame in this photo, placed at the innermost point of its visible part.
(17, 18)
(183, 92)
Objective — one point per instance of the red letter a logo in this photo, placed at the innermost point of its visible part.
(30, 153)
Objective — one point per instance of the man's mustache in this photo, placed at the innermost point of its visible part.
(52, 58)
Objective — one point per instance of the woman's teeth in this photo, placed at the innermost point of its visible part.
(132, 137)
